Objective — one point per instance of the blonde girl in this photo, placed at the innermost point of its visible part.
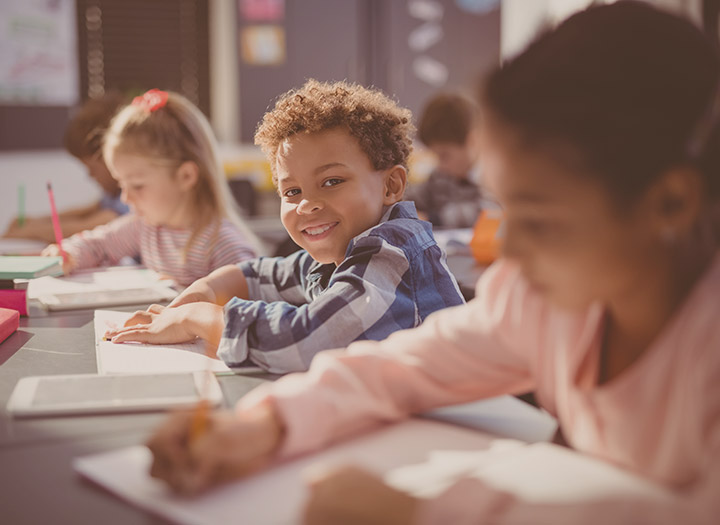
(183, 223)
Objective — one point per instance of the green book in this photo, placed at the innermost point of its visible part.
(29, 266)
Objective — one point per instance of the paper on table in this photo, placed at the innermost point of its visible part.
(93, 282)
(21, 246)
(255, 500)
(131, 358)
(505, 416)
(421, 457)
(543, 472)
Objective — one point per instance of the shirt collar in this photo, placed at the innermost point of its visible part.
(319, 274)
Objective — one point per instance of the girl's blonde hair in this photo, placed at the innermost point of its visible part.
(172, 133)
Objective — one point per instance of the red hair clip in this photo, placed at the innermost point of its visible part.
(151, 100)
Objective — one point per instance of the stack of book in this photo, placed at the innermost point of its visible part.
(9, 322)
(14, 274)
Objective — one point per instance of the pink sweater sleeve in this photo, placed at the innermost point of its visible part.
(501, 342)
(458, 354)
(696, 502)
(106, 244)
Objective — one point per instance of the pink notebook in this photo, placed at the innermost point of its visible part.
(9, 322)
(14, 300)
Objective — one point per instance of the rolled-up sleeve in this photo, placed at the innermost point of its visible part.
(273, 279)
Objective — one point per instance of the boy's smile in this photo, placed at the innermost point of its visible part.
(316, 233)
(329, 191)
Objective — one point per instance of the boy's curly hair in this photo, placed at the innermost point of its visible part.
(383, 129)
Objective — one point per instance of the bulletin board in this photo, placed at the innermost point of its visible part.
(38, 53)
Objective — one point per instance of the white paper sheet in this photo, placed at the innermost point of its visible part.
(115, 279)
(131, 358)
(255, 500)
(419, 456)
(505, 416)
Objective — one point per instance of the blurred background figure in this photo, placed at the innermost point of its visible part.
(83, 140)
(450, 197)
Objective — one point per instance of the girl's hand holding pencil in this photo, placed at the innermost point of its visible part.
(192, 455)
(69, 262)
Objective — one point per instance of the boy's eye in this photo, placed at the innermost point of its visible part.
(332, 182)
(291, 192)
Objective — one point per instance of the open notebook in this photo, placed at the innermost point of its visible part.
(131, 358)
(419, 456)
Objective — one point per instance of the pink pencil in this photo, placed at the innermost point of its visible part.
(55, 220)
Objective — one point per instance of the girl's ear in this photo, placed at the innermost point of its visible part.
(395, 182)
(676, 200)
(187, 175)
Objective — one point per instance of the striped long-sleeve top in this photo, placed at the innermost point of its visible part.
(160, 248)
(393, 276)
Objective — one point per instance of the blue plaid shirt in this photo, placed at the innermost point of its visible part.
(393, 276)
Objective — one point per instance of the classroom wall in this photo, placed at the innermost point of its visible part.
(408, 48)
(521, 20)
(516, 24)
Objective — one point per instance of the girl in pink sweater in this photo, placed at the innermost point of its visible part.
(601, 142)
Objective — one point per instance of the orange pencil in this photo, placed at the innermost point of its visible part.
(199, 422)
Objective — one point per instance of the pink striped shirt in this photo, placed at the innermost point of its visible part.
(160, 248)
(660, 418)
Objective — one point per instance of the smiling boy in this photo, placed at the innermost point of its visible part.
(369, 266)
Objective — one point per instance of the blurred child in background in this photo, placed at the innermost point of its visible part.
(450, 197)
(83, 140)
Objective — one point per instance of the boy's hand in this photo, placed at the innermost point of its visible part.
(350, 495)
(174, 325)
(234, 445)
(69, 262)
(143, 316)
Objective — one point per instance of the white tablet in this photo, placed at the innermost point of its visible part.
(92, 393)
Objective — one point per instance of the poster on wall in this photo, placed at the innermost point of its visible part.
(263, 45)
(262, 10)
(38, 53)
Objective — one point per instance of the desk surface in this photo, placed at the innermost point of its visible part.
(37, 483)
(466, 271)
